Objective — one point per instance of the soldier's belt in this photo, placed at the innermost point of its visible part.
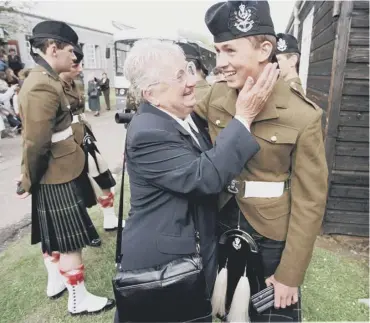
(78, 118)
(62, 135)
(258, 189)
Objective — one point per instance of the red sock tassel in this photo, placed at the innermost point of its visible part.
(106, 201)
(74, 277)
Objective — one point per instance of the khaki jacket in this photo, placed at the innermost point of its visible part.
(296, 84)
(77, 103)
(44, 110)
(201, 89)
(289, 133)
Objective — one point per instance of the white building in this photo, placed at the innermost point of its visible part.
(96, 44)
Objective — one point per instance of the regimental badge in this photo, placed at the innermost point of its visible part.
(243, 17)
(281, 45)
(236, 243)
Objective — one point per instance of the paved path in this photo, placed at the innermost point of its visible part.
(15, 212)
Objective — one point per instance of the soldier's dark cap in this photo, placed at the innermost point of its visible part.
(191, 51)
(235, 19)
(286, 43)
(57, 30)
(78, 53)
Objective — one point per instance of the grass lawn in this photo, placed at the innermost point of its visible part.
(330, 293)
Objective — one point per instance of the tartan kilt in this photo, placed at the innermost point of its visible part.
(59, 217)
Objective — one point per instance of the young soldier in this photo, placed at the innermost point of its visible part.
(54, 170)
(288, 56)
(279, 198)
(97, 168)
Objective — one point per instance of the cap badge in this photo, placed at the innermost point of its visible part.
(244, 23)
(236, 243)
(281, 45)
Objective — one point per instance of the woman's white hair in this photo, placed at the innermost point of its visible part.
(147, 63)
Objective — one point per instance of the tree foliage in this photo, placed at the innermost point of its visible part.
(7, 10)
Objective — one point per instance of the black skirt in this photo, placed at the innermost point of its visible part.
(64, 224)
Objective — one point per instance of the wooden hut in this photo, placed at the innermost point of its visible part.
(334, 40)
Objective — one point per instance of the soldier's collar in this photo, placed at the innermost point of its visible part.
(277, 100)
(47, 68)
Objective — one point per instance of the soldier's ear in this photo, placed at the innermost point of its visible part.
(52, 49)
(264, 51)
(293, 60)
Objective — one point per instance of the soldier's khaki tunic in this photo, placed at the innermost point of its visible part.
(201, 89)
(76, 98)
(45, 110)
(297, 84)
(289, 133)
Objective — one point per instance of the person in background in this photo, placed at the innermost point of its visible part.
(288, 56)
(73, 88)
(54, 172)
(6, 92)
(22, 75)
(3, 85)
(14, 61)
(105, 88)
(93, 93)
(11, 79)
(219, 76)
(3, 61)
(192, 53)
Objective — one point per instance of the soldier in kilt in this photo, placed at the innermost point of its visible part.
(54, 170)
(98, 172)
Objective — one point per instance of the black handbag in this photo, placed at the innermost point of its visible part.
(171, 292)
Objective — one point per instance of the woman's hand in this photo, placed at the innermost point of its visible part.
(253, 96)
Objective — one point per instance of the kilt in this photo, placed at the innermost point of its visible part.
(59, 217)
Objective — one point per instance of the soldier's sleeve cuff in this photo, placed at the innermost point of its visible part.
(289, 276)
(243, 121)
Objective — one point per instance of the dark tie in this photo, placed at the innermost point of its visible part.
(199, 137)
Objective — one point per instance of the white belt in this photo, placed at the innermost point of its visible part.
(62, 135)
(263, 189)
(79, 117)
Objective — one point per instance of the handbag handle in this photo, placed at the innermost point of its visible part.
(120, 214)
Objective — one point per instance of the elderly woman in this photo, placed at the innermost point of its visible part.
(175, 175)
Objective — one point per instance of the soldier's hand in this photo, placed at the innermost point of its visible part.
(253, 95)
(284, 295)
(24, 195)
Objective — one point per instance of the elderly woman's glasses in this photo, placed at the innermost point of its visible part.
(182, 75)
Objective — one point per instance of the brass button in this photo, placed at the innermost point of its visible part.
(218, 122)
(273, 138)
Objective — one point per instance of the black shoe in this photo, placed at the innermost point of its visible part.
(95, 243)
(110, 304)
(58, 295)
